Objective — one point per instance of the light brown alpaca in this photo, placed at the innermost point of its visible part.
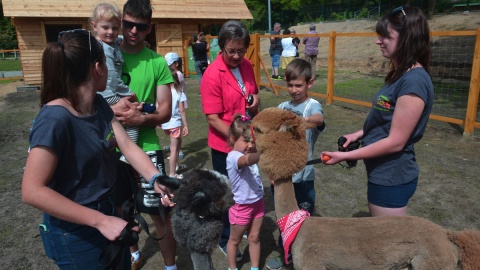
(353, 243)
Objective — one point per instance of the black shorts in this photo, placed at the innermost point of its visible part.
(129, 183)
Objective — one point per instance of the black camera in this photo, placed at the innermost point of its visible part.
(352, 146)
(148, 108)
(249, 102)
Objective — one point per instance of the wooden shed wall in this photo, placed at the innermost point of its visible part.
(164, 9)
(31, 40)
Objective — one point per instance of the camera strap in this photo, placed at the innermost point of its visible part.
(112, 255)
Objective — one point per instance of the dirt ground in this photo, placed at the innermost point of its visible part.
(447, 192)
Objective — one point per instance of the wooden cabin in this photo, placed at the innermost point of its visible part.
(38, 22)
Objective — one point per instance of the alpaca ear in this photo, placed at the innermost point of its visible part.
(199, 198)
(290, 126)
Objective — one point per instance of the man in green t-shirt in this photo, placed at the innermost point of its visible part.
(148, 75)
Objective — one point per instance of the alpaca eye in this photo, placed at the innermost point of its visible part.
(257, 130)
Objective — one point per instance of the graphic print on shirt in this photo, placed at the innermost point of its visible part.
(111, 141)
(383, 103)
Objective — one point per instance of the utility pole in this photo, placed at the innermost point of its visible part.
(269, 17)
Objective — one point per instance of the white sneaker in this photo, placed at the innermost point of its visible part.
(181, 166)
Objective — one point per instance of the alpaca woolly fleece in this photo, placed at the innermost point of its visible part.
(281, 139)
(200, 203)
(373, 243)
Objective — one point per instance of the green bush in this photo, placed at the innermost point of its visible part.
(341, 16)
(8, 36)
(363, 13)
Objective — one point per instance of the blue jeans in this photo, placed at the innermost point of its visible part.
(75, 246)
(200, 67)
(219, 164)
(275, 60)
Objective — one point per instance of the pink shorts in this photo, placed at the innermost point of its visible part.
(173, 132)
(243, 214)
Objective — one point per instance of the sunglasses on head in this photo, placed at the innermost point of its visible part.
(398, 10)
(80, 31)
(139, 26)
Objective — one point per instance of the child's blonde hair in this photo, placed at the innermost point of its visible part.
(241, 126)
(105, 11)
(176, 81)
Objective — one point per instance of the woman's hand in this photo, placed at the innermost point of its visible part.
(352, 137)
(166, 196)
(111, 227)
(331, 158)
(255, 103)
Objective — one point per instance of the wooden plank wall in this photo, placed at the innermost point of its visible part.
(165, 9)
(170, 37)
(30, 42)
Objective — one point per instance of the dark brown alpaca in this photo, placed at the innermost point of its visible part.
(353, 243)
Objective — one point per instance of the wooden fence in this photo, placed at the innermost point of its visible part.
(451, 104)
(10, 54)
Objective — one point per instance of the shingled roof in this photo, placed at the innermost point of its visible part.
(164, 9)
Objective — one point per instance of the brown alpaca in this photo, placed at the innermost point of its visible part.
(353, 243)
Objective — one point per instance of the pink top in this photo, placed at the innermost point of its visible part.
(222, 95)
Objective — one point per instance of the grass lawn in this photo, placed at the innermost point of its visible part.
(447, 192)
(10, 65)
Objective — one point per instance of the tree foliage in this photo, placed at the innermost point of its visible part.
(8, 36)
(292, 12)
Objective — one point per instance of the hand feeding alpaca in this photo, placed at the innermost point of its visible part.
(200, 201)
(351, 243)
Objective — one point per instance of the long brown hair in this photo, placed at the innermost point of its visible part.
(67, 64)
(176, 81)
(413, 44)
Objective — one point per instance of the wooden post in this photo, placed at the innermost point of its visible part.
(186, 72)
(256, 57)
(331, 66)
(472, 104)
(268, 75)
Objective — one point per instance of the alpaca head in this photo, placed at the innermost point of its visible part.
(281, 140)
(205, 193)
(201, 200)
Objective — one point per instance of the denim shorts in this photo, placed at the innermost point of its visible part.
(275, 60)
(391, 196)
(75, 246)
